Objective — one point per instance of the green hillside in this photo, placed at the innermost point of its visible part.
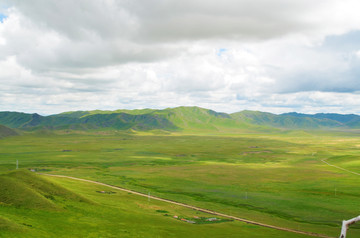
(120, 121)
(23, 189)
(5, 132)
(171, 119)
(15, 119)
(80, 114)
(291, 121)
(190, 119)
(184, 118)
(341, 118)
(201, 119)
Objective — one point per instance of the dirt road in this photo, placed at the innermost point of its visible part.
(194, 208)
(324, 160)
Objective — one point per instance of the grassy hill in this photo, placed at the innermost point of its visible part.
(83, 121)
(192, 119)
(170, 119)
(15, 119)
(201, 119)
(23, 189)
(181, 118)
(345, 119)
(5, 132)
(80, 114)
(298, 121)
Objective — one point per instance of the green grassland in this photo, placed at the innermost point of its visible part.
(79, 211)
(276, 178)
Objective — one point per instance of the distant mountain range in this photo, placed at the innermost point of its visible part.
(295, 120)
(177, 119)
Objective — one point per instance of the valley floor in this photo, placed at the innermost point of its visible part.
(276, 179)
(202, 210)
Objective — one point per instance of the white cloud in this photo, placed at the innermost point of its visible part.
(69, 55)
(357, 53)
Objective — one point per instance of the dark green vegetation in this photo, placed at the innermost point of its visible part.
(200, 220)
(299, 121)
(233, 164)
(121, 121)
(175, 119)
(6, 132)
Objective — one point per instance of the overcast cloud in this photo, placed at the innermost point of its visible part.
(231, 55)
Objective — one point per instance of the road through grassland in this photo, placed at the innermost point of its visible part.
(349, 171)
(193, 207)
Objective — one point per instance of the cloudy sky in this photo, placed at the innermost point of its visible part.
(230, 55)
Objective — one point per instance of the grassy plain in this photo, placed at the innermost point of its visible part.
(276, 178)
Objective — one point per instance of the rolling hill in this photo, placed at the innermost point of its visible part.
(170, 119)
(296, 120)
(23, 189)
(201, 119)
(6, 132)
(178, 119)
(80, 121)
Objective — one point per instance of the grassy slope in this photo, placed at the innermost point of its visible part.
(189, 119)
(345, 119)
(6, 132)
(200, 120)
(48, 209)
(181, 118)
(24, 189)
(186, 119)
(14, 119)
(119, 121)
(80, 114)
(293, 120)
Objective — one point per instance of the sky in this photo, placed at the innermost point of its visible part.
(231, 55)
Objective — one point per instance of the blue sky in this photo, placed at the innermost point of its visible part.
(269, 55)
(2, 17)
(221, 51)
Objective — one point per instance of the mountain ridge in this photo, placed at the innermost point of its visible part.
(177, 119)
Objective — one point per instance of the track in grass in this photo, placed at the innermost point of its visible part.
(193, 207)
(324, 160)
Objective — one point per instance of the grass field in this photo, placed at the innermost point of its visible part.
(277, 179)
(93, 214)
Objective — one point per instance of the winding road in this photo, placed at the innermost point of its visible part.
(193, 207)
